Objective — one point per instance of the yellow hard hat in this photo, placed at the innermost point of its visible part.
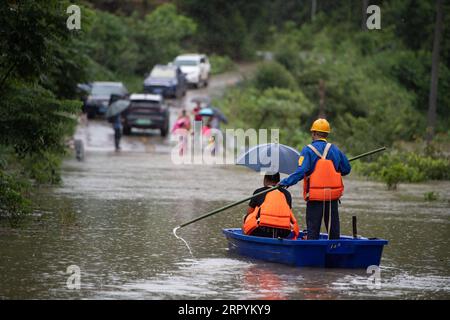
(321, 125)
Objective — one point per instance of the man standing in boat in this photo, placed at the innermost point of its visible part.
(321, 165)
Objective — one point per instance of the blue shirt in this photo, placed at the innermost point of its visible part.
(309, 160)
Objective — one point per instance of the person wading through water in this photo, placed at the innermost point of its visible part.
(270, 215)
(116, 122)
(321, 165)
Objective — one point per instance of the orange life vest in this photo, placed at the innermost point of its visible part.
(274, 212)
(324, 183)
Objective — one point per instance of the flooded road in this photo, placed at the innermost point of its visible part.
(114, 213)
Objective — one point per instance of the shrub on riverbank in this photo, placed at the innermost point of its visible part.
(397, 167)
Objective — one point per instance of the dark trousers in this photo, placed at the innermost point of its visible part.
(269, 232)
(314, 213)
(117, 136)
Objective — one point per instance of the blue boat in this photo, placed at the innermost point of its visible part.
(347, 252)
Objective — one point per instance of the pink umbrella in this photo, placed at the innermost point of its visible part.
(179, 124)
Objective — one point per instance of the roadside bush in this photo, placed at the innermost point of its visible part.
(43, 168)
(405, 167)
(273, 75)
(431, 196)
(33, 120)
(273, 108)
(13, 195)
(399, 172)
(220, 64)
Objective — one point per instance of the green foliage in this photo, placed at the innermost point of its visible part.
(43, 168)
(220, 64)
(223, 27)
(107, 41)
(274, 108)
(133, 82)
(273, 75)
(120, 46)
(406, 167)
(33, 120)
(28, 28)
(431, 196)
(364, 101)
(160, 36)
(13, 195)
(39, 69)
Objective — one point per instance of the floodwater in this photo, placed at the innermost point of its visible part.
(114, 213)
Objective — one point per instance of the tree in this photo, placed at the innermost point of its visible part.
(39, 68)
(313, 9)
(160, 36)
(434, 73)
(365, 4)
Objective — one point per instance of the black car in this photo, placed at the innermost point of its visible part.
(99, 95)
(146, 111)
(167, 80)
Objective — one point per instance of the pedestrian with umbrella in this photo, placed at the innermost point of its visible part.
(215, 117)
(114, 115)
(196, 111)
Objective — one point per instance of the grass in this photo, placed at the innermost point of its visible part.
(133, 82)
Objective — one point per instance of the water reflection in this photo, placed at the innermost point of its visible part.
(264, 283)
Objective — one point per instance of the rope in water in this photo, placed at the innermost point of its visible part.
(185, 242)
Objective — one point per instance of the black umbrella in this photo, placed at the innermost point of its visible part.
(270, 157)
(219, 114)
(117, 107)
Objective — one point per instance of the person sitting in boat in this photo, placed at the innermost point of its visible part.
(270, 214)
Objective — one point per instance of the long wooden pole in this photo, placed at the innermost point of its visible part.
(227, 206)
(367, 153)
(260, 193)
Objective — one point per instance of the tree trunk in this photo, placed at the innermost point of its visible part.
(321, 98)
(313, 9)
(365, 4)
(434, 73)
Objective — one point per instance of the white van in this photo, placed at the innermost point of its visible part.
(196, 67)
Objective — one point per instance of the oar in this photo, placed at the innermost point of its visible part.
(260, 193)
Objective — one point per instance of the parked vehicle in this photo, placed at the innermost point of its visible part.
(167, 80)
(196, 67)
(100, 93)
(146, 111)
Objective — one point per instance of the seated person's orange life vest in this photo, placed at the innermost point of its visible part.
(324, 183)
(274, 212)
